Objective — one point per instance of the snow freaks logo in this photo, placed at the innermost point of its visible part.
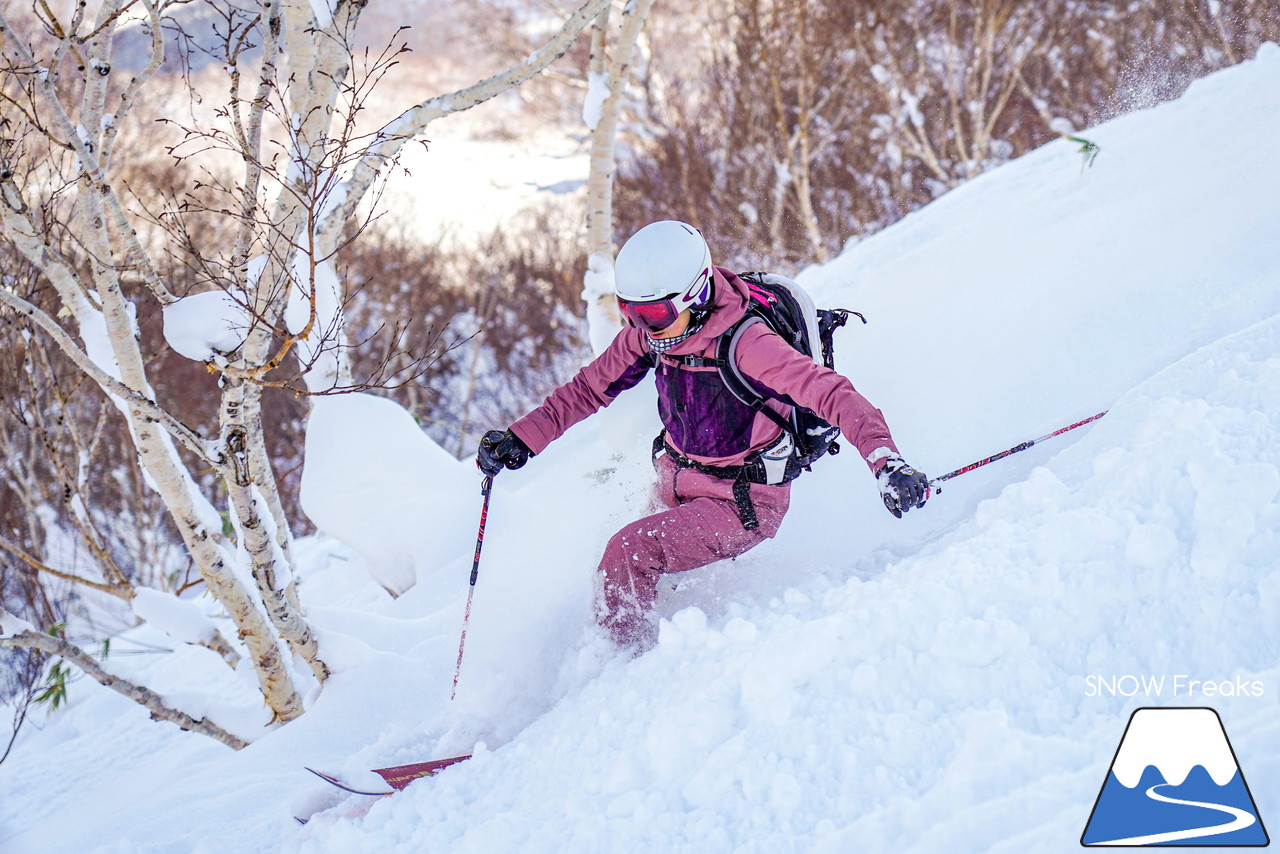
(1175, 781)
(1178, 685)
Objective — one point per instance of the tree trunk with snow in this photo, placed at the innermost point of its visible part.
(607, 79)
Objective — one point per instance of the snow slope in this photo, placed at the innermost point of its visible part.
(859, 683)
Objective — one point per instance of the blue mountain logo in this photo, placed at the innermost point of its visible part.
(1175, 781)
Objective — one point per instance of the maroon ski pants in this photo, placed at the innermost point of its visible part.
(700, 525)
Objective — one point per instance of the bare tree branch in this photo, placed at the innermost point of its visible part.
(120, 591)
(112, 386)
(90, 163)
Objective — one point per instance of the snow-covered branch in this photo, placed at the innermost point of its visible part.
(153, 702)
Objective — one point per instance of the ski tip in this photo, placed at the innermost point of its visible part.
(334, 781)
(301, 821)
(328, 778)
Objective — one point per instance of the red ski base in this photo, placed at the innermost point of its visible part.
(397, 777)
(402, 775)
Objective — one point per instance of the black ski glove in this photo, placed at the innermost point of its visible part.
(499, 449)
(901, 486)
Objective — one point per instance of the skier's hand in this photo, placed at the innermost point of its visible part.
(499, 449)
(901, 486)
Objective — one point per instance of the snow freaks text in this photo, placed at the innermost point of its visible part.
(1176, 685)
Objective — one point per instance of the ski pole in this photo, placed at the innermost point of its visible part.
(1015, 449)
(486, 488)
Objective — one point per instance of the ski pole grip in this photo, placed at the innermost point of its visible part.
(486, 488)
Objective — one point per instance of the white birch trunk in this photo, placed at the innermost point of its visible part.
(603, 321)
(804, 151)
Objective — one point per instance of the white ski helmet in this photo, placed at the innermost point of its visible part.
(664, 261)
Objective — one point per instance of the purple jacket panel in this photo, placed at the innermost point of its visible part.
(704, 420)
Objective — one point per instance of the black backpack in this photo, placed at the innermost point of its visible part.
(789, 311)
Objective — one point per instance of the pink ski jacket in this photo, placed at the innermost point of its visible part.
(702, 419)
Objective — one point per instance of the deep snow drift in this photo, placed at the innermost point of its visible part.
(858, 683)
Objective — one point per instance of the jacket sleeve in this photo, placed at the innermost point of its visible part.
(621, 366)
(781, 371)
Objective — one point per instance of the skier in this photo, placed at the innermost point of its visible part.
(677, 305)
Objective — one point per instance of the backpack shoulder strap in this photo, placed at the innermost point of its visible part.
(736, 381)
(727, 359)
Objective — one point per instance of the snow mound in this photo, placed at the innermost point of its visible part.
(200, 326)
(374, 480)
(182, 619)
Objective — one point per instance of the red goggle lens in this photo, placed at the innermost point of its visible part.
(653, 316)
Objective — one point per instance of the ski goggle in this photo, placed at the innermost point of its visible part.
(653, 316)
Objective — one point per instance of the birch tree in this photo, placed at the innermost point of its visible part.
(607, 76)
(272, 168)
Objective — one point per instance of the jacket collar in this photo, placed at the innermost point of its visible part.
(730, 298)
